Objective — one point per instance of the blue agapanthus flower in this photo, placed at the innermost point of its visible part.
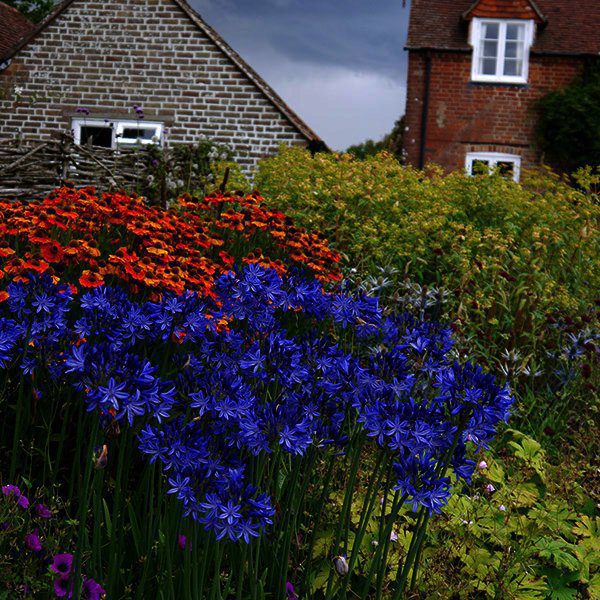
(270, 367)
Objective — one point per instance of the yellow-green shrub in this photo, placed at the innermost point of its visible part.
(510, 254)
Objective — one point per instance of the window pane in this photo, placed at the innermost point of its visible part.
(513, 68)
(514, 50)
(133, 133)
(490, 49)
(488, 66)
(96, 136)
(491, 31)
(506, 168)
(515, 32)
(480, 167)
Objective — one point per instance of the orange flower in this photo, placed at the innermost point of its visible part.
(91, 279)
(52, 252)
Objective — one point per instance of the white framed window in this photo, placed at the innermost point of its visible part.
(116, 133)
(482, 163)
(501, 49)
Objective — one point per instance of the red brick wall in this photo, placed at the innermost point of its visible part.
(465, 116)
(107, 55)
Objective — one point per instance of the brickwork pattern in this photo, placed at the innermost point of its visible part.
(108, 55)
(464, 116)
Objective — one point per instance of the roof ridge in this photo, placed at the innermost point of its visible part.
(262, 85)
(229, 52)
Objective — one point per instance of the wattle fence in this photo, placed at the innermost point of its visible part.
(31, 169)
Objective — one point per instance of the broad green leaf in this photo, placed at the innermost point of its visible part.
(559, 552)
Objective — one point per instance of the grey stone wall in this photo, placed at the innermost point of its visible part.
(107, 56)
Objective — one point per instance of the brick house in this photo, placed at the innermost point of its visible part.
(107, 56)
(476, 70)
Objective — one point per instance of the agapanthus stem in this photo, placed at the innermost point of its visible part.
(347, 505)
(320, 506)
(365, 514)
(19, 417)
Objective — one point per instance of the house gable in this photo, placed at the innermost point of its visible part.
(504, 9)
(108, 55)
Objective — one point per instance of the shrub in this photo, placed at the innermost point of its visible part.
(519, 262)
(568, 127)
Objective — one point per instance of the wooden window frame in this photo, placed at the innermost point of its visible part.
(493, 158)
(477, 43)
(117, 126)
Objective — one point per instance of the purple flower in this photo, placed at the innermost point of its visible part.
(290, 591)
(13, 490)
(182, 541)
(32, 541)
(502, 508)
(62, 588)
(92, 590)
(43, 512)
(61, 563)
(482, 465)
(490, 488)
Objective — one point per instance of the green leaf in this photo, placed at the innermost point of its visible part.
(320, 580)
(322, 544)
(135, 529)
(559, 552)
(587, 527)
(107, 519)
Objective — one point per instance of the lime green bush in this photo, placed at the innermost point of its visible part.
(518, 261)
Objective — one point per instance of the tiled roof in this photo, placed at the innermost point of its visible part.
(13, 28)
(227, 50)
(572, 26)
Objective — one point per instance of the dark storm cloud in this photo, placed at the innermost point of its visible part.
(339, 64)
(358, 35)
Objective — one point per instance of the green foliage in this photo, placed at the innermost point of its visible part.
(391, 142)
(519, 263)
(34, 10)
(569, 123)
(522, 538)
(174, 169)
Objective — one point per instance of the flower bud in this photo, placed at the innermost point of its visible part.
(482, 465)
(101, 458)
(489, 488)
(341, 565)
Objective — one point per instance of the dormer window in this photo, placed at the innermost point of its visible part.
(501, 50)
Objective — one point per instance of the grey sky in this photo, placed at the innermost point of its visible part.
(339, 64)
